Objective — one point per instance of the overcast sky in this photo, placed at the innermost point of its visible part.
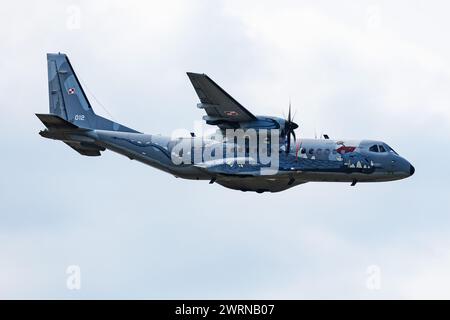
(357, 69)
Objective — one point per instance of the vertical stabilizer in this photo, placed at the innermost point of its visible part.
(68, 99)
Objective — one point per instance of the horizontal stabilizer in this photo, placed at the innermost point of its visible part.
(52, 121)
(60, 129)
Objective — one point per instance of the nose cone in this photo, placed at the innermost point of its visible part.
(411, 170)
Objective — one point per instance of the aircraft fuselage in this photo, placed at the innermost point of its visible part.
(308, 160)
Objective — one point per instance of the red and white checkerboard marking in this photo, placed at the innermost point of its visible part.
(71, 91)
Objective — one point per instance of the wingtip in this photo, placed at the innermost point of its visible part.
(195, 74)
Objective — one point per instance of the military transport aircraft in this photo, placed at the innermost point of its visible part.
(231, 162)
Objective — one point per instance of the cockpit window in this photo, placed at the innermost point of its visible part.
(374, 148)
(382, 149)
(390, 149)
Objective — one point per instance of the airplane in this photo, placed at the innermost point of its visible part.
(292, 161)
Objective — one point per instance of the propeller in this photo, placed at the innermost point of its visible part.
(289, 128)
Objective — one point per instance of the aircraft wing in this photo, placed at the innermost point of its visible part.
(220, 107)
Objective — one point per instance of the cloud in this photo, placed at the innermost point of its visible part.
(331, 67)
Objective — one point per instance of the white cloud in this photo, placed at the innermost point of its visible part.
(316, 57)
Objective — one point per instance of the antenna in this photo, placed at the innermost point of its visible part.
(95, 98)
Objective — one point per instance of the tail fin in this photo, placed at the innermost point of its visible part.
(68, 99)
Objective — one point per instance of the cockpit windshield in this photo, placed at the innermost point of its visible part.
(381, 148)
(390, 149)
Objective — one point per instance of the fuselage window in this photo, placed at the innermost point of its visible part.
(319, 151)
(381, 148)
(374, 148)
(311, 151)
(302, 150)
